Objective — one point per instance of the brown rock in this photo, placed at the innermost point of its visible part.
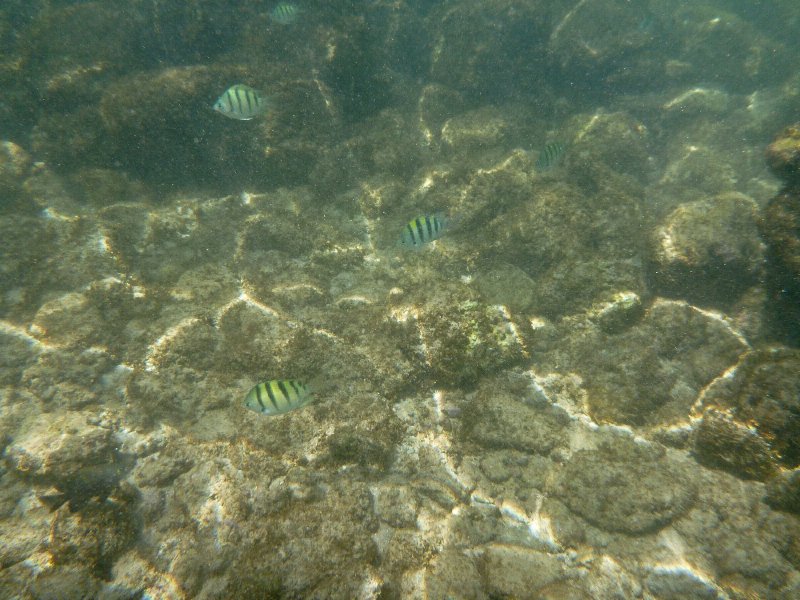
(783, 154)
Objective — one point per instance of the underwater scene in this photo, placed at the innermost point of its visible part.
(400, 299)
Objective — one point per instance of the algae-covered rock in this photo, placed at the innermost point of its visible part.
(783, 491)
(708, 251)
(576, 252)
(704, 30)
(607, 151)
(467, 340)
(474, 38)
(161, 121)
(60, 445)
(476, 132)
(65, 581)
(93, 539)
(783, 154)
(607, 30)
(79, 462)
(675, 584)
(453, 573)
(621, 312)
(721, 442)
(104, 187)
(15, 165)
(653, 371)
(518, 572)
(505, 412)
(780, 227)
(506, 284)
(751, 419)
(624, 486)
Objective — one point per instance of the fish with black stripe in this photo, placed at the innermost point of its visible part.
(550, 155)
(278, 396)
(241, 102)
(285, 13)
(422, 230)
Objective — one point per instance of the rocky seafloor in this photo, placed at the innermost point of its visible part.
(587, 388)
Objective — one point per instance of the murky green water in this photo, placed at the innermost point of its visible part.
(517, 280)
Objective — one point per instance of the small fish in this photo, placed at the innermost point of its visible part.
(278, 396)
(422, 230)
(285, 13)
(241, 102)
(550, 155)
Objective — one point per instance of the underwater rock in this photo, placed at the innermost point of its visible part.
(453, 573)
(66, 380)
(436, 104)
(621, 312)
(669, 583)
(75, 45)
(15, 164)
(505, 413)
(490, 51)
(783, 154)
(102, 187)
(698, 101)
(473, 131)
(396, 506)
(66, 142)
(592, 38)
(78, 460)
(721, 442)
(652, 372)
(373, 447)
(65, 581)
(783, 491)
(94, 538)
(514, 572)
(18, 352)
(577, 251)
(468, 339)
(161, 469)
(71, 320)
(780, 226)
(59, 445)
(608, 154)
(751, 420)
(505, 284)
(627, 487)
(162, 123)
(719, 47)
(708, 251)
(24, 526)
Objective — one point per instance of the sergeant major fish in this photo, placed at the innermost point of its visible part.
(550, 155)
(284, 13)
(422, 230)
(241, 102)
(278, 396)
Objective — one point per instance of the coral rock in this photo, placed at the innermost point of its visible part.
(783, 154)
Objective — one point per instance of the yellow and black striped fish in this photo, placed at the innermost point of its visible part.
(550, 155)
(278, 396)
(285, 13)
(422, 230)
(241, 102)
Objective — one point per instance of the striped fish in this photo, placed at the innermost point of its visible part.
(422, 230)
(284, 13)
(241, 102)
(278, 396)
(550, 155)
